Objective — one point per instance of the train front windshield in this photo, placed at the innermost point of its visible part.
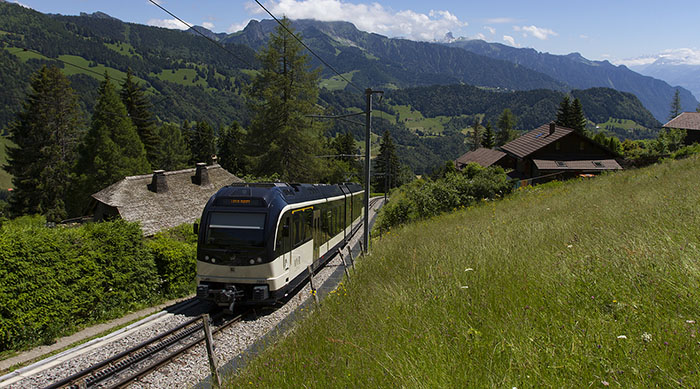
(236, 228)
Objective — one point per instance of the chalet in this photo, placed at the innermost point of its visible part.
(163, 199)
(689, 121)
(485, 157)
(552, 149)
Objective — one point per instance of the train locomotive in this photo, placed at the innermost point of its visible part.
(255, 242)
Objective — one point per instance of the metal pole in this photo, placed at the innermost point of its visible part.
(368, 126)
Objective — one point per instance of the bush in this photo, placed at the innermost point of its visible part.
(426, 198)
(57, 280)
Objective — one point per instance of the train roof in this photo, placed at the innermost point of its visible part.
(291, 193)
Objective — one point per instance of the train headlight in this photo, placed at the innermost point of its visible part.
(252, 262)
(259, 260)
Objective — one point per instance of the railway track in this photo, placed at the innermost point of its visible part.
(128, 366)
(124, 368)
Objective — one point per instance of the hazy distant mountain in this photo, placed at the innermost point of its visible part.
(98, 15)
(389, 63)
(579, 72)
(677, 67)
(207, 32)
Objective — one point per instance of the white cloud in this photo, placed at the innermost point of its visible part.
(208, 25)
(368, 17)
(510, 40)
(537, 32)
(500, 20)
(480, 36)
(490, 29)
(235, 27)
(681, 56)
(168, 23)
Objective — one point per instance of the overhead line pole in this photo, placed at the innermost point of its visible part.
(368, 130)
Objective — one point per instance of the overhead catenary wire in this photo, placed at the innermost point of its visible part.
(329, 66)
(234, 55)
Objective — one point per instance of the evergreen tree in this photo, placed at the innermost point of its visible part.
(386, 165)
(489, 138)
(578, 120)
(676, 108)
(564, 112)
(45, 133)
(112, 149)
(140, 113)
(230, 145)
(475, 142)
(506, 125)
(281, 139)
(202, 142)
(172, 152)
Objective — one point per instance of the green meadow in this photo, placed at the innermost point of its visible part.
(586, 283)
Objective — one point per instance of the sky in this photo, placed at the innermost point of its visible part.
(621, 31)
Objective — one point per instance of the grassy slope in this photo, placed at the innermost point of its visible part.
(559, 273)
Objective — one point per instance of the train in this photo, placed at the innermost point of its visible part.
(256, 242)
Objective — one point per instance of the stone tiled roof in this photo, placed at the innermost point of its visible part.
(685, 121)
(182, 202)
(483, 156)
(534, 140)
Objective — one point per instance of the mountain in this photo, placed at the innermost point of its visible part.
(581, 73)
(397, 63)
(207, 32)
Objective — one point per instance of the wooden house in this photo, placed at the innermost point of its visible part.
(485, 157)
(688, 121)
(163, 199)
(552, 150)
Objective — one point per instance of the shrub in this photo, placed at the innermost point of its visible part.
(175, 260)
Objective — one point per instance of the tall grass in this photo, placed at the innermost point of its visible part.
(581, 284)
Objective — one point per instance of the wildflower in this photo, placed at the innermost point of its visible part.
(622, 337)
(690, 321)
(614, 301)
(605, 383)
(469, 269)
(570, 246)
(646, 337)
(464, 287)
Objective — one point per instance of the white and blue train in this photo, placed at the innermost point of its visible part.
(257, 241)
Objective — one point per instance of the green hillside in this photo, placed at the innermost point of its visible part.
(588, 283)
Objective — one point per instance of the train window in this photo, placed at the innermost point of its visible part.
(309, 216)
(244, 228)
(297, 229)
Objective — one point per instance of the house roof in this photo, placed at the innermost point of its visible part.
(534, 140)
(483, 156)
(182, 202)
(583, 165)
(685, 121)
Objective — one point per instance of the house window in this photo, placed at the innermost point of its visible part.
(582, 145)
(561, 164)
(598, 164)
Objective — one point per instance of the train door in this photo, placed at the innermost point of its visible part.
(316, 232)
(285, 242)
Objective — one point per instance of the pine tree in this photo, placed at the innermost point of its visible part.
(489, 138)
(230, 145)
(202, 142)
(173, 152)
(281, 139)
(676, 108)
(475, 142)
(386, 165)
(141, 115)
(578, 120)
(45, 133)
(506, 124)
(112, 149)
(564, 112)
